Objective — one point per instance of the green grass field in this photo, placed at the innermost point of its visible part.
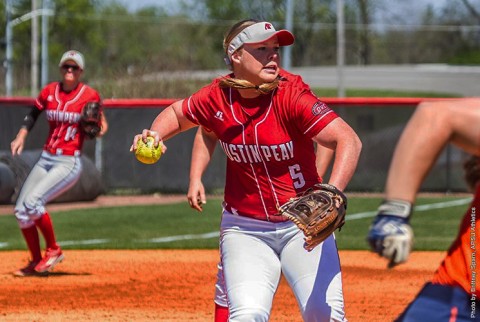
(176, 226)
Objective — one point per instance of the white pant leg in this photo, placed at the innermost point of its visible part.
(220, 293)
(251, 267)
(315, 278)
(50, 177)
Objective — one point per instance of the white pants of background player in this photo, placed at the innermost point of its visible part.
(254, 253)
(50, 177)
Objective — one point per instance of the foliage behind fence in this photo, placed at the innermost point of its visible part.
(118, 42)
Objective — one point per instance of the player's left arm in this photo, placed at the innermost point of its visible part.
(341, 138)
(433, 125)
(29, 120)
(203, 148)
(323, 158)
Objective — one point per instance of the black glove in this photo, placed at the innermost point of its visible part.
(91, 119)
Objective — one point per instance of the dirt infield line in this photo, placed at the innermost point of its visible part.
(108, 201)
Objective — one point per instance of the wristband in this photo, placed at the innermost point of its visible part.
(397, 208)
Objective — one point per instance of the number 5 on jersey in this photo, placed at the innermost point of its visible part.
(297, 176)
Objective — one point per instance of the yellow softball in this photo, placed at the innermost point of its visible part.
(146, 152)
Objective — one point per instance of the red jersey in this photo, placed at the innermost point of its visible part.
(460, 265)
(267, 141)
(63, 115)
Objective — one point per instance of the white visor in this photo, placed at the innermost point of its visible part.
(74, 56)
(259, 32)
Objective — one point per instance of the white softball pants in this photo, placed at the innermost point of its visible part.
(254, 253)
(50, 177)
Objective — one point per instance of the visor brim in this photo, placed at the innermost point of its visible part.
(285, 38)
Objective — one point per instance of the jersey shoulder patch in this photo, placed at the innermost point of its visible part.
(320, 108)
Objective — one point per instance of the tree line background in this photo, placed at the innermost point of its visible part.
(122, 48)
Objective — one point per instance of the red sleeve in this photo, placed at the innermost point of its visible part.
(91, 95)
(97, 96)
(313, 114)
(41, 101)
(199, 107)
(189, 109)
(308, 113)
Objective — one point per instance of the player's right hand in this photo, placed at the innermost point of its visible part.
(196, 195)
(390, 234)
(16, 146)
(144, 135)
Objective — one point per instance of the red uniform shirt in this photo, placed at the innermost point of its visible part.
(267, 141)
(63, 115)
(459, 268)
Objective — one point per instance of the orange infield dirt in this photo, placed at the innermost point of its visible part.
(177, 285)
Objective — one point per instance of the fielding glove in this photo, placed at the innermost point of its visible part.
(91, 119)
(390, 234)
(318, 212)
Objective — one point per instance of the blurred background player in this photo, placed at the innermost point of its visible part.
(59, 166)
(241, 111)
(448, 297)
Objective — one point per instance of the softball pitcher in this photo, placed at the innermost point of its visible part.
(265, 119)
(59, 166)
(203, 148)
